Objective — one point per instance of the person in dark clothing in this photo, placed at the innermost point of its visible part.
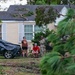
(24, 47)
(48, 47)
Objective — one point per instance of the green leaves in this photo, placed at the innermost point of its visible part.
(61, 61)
(67, 26)
(70, 13)
(45, 15)
(50, 62)
(38, 34)
(48, 2)
(71, 69)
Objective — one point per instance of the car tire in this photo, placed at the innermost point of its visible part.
(8, 54)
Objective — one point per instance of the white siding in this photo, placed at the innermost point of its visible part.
(63, 12)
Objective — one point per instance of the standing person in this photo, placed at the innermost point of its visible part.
(24, 47)
(42, 46)
(35, 50)
(48, 47)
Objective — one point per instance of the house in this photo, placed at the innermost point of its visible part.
(13, 26)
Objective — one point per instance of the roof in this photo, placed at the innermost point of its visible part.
(15, 10)
(6, 16)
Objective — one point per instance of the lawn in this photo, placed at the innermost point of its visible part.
(19, 66)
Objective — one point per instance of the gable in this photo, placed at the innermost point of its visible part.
(62, 15)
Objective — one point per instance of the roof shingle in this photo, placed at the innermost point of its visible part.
(21, 9)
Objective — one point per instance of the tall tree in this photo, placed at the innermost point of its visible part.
(61, 61)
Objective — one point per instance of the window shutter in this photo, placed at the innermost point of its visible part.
(3, 31)
(21, 32)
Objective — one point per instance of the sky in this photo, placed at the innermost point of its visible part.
(5, 5)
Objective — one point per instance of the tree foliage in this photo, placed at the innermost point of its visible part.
(39, 2)
(45, 15)
(61, 61)
(50, 2)
(38, 34)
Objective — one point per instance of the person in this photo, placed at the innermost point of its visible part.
(24, 47)
(35, 50)
(42, 46)
(48, 47)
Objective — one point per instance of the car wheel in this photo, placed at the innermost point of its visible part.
(8, 54)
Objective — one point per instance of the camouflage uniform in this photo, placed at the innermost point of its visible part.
(42, 47)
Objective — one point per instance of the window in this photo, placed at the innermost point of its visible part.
(0, 32)
(37, 29)
(29, 31)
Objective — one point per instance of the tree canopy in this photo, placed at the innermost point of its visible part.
(49, 2)
(45, 15)
(61, 61)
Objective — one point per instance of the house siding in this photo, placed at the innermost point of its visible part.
(12, 32)
(51, 26)
(12, 28)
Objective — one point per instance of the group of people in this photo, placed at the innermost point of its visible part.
(35, 49)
